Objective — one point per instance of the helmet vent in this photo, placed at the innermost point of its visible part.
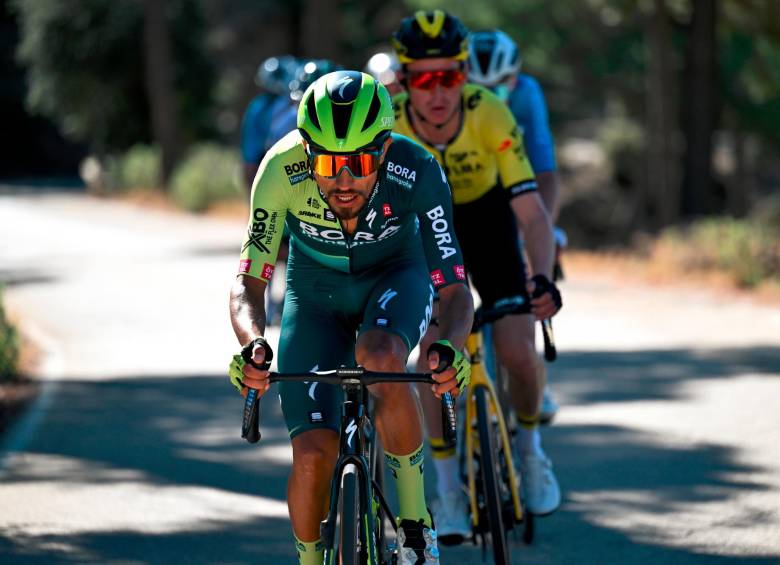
(341, 115)
(312, 110)
(373, 110)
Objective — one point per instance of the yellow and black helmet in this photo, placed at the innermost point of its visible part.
(430, 35)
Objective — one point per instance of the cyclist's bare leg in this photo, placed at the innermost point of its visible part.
(396, 414)
(308, 490)
(397, 420)
(513, 340)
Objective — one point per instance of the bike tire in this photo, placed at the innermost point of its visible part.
(349, 517)
(490, 479)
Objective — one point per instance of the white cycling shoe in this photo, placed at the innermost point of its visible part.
(549, 407)
(417, 544)
(540, 487)
(451, 516)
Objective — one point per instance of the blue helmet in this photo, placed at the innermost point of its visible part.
(275, 73)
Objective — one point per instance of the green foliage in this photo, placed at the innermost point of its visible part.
(9, 345)
(136, 169)
(748, 249)
(209, 174)
(85, 68)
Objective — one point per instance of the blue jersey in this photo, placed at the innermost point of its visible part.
(255, 127)
(283, 119)
(527, 104)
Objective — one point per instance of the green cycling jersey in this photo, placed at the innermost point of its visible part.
(409, 213)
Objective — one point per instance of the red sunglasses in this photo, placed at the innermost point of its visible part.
(428, 80)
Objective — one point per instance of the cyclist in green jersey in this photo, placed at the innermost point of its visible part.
(370, 220)
(476, 139)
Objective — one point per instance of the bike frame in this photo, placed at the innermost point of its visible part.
(480, 378)
(355, 438)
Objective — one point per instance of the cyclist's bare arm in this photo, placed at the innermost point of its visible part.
(247, 314)
(537, 230)
(549, 189)
(456, 314)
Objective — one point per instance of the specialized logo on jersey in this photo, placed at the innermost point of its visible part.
(370, 217)
(244, 265)
(261, 230)
(297, 172)
(440, 228)
(401, 175)
(386, 297)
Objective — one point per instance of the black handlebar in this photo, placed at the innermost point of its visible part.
(485, 316)
(250, 429)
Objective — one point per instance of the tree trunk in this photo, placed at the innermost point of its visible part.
(321, 26)
(700, 109)
(159, 84)
(661, 181)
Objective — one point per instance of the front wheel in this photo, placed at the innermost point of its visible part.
(490, 479)
(349, 512)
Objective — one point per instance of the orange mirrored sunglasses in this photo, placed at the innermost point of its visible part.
(359, 165)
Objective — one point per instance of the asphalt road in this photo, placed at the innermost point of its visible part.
(667, 446)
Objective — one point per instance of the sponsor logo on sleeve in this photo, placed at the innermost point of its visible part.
(382, 322)
(523, 187)
(244, 265)
(263, 227)
(386, 210)
(268, 271)
(297, 172)
(460, 272)
(506, 144)
(315, 417)
(437, 277)
(440, 228)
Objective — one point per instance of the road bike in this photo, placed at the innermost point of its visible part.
(486, 455)
(354, 530)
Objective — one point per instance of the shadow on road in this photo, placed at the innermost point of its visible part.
(184, 432)
(630, 376)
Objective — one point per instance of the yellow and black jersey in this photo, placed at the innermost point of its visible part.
(487, 150)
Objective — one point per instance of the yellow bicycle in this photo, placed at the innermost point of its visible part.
(492, 481)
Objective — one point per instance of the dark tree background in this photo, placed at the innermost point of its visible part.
(680, 97)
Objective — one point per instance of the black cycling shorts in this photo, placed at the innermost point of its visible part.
(487, 231)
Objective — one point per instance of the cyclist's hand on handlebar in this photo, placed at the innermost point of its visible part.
(545, 297)
(249, 369)
(451, 369)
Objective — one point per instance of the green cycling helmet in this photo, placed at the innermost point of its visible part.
(345, 112)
